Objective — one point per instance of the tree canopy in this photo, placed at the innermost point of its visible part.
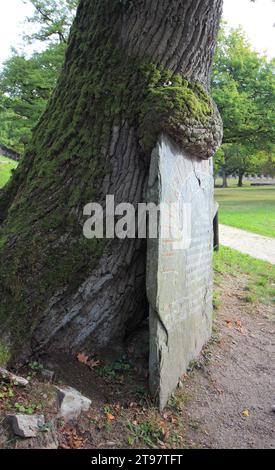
(243, 86)
(25, 87)
(26, 83)
(52, 19)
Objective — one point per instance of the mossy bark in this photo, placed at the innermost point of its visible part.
(133, 69)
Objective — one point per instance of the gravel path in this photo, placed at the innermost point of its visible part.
(258, 246)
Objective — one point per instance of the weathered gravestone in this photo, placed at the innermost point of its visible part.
(179, 268)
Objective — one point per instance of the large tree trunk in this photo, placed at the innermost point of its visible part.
(240, 179)
(121, 86)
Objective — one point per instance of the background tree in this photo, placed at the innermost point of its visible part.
(268, 168)
(240, 160)
(243, 85)
(133, 70)
(26, 83)
(52, 20)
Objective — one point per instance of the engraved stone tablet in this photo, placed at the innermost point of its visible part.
(179, 264)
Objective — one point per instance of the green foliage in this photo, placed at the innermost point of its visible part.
(178, 401)
(269, 164)
(28, 409)
(26, 85)
(35, 366)
(6, 168)
(216, 300)
(112, 372)
(4, 354)
(6, 391)
(52, 19)
(9, 403)
(243, 87)
(147, 432)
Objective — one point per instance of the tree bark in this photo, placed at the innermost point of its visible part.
(133, 69)
(240, 179)
(224, 179)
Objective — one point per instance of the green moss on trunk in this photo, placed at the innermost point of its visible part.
(42, 249)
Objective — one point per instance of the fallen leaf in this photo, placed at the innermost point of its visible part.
(246, 413)
(174, 419)
(81, 357)
(93, 363)
(110, 417)
(228, 323)
(72, 440)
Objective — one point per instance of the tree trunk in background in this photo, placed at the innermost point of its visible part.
(224, 180)
(240, 179)
(121, 86)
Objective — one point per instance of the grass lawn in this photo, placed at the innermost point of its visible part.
(232, 182)
(260, 274)
(6, 167)
(248, 208)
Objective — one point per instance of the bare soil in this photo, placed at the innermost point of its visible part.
(232, 397)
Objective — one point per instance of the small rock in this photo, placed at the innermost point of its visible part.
(8, 376)
(44, 440)
(180, 384)
(47, 374)
(26, 426)
(71, 403)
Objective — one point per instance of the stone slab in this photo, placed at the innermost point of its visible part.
(179, 267)
(26, 426)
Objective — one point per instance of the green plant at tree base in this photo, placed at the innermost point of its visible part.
(148, 433)
(4, 354)
(111, 372)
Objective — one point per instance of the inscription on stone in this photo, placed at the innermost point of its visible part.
(179, 268)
